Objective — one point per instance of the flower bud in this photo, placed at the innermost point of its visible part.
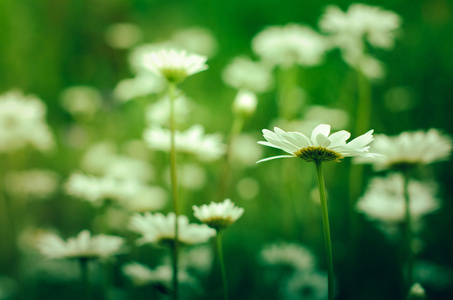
(245, 103)
(417, 292)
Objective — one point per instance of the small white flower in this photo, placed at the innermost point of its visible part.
(141, 85)
(384, 199)
(243, 73)
(195, 39)
(289, 45)
(31, 184)
(174, 65)
(410, 148)
(157, 228)
(22, 123)
(81, 101)
(194, 141)
(245, 103)
(82, 246)
(218, 215)
(142, 275)
(320, 146)
(305, 286)
(293, 255)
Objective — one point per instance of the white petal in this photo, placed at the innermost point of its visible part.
(323, 141)
(274, 157)
(323, 129)
(339, 138)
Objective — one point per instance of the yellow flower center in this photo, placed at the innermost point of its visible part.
(311, 154)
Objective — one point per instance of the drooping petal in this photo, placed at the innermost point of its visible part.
(274, 157)
(323, 129)
(339, 138)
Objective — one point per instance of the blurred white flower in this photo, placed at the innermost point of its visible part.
(195, 39)
(141, 85)
(384, 201)
(245, 103)
(243, 73)
(190, 176)
(218, 215)
(174, 65)
(400, 98)
(98, 156)
(416, 292)
(205, 147)
(245, 150)
(361, 23)
(82, 246)
(22, 123)
(123, 35)
(159, 112)
(292, 255)
(409, 148)
(142, 275)
(248, 188)
(305, 286)
(157, 228)
(198, 259)
(132, 194)
(31, 184)
(81, 101)
(289, 45)
(320, 146)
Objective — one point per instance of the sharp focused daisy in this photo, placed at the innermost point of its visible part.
(218, 215)
(320, 146)
(174, 65)
(83, 246)
(410, 148)
(157, 228)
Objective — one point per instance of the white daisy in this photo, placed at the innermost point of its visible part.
(320, 147)
(293, 255)
(218, 215)
(82, 246)
(174, 65)
(142, 275)
(157, 228)
(384, 199)
(207, 147)
(243, 73)
(410, 148)
(22, 123)
(289, 45)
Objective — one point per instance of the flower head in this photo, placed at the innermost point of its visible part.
(245, 103)
(293, 255)
(157, 228)
(289, 45)
(218, 215)
(82, 246)
(243, 73)
(174, 65)
(410, 148)
(320, 146)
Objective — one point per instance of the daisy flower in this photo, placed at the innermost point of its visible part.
(174, 65)
(157, 228)
(410, 148)
(83, 246)
(218, 215)
(320, 146)
(142, 275)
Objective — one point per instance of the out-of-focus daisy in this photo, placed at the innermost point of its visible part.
(142, 275)
(384, 200)
(409, 149)
(416, 292)
(289, 45)
(22, 123)
(245, 103)
(195, 39)
(141, 85)
(218, 215)
(305, 286)
(31, 184)
(292, 255)
(206, 147)
(243, 73)
(157, 228)
(320, 146)
(174, 65)
(83, 246)
(81, 101)
(159, 112)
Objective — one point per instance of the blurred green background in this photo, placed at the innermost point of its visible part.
(47, 46)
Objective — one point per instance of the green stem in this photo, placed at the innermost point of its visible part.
(83, 262)
(174, 186)
(222, 265)
(408, 229)
(326, 228)
(236, 129)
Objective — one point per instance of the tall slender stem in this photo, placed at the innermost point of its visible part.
(83, 262)
(326, 228)
(174, 186)
(222, 265)
(408, 229)
(236, 129)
